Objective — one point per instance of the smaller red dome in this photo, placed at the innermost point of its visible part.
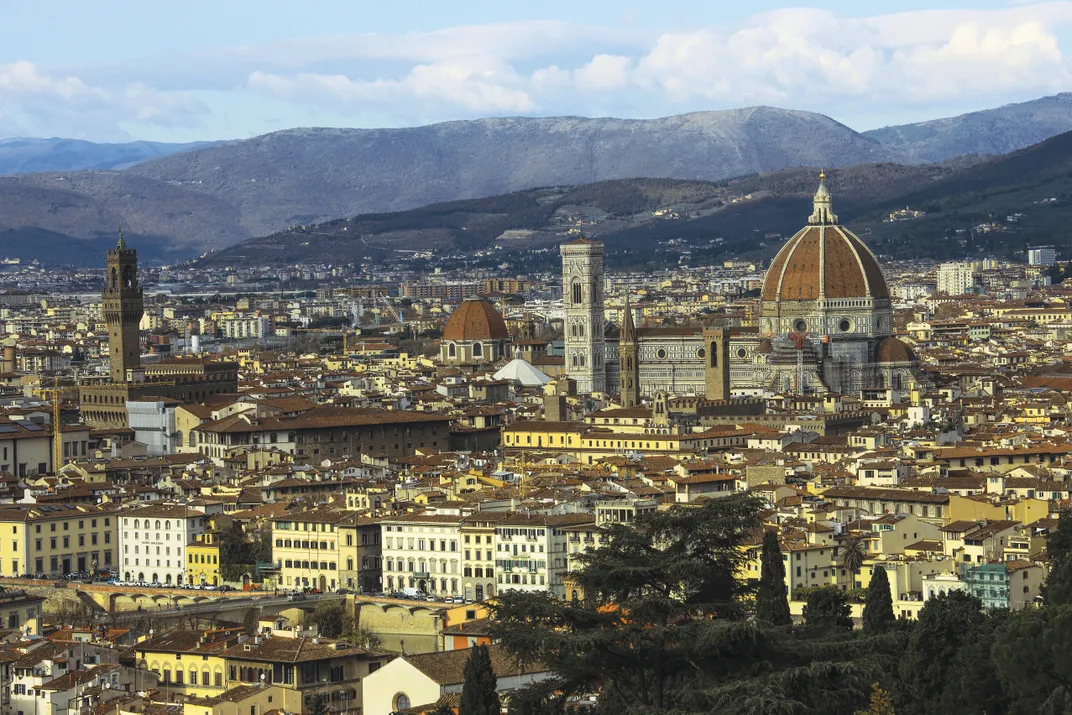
(476, 319)
(893, 349)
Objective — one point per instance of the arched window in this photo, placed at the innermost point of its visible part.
(128, 276)
(478, 350)
(576, 292)
(452, 351)
(115, 279)
(714, 355)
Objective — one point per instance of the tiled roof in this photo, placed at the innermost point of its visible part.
(448, 667)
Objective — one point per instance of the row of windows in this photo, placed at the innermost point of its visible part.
(289, 544)
(421, 543)
(66, 525)
(317, 565)
(38, 543)
(202, 559)
(149, 524)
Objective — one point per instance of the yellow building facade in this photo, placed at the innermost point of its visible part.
(306, 549)
(55, 540)
(203, 560)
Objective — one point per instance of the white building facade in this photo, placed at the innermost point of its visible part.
(423, 552)
(152, 542)
(955, 278)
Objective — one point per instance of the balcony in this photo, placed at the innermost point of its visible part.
(420, 574)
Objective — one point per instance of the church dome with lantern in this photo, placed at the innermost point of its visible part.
(475, 334)
(827, 285)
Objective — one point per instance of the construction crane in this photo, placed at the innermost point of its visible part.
(55, 394)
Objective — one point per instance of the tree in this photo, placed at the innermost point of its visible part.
(330, 619)
(1058, 587)
(826, 608)
(664, 628)
(318, 705)
(972, 684)
(236, 554)
(1030, 655)
(479, 696)
(853, 554)
(880, 702)
(943, 625)
(772, 604)
(878, 610)
(251, 622)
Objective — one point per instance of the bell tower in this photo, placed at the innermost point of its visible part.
(717, 368)
(582, 299)
(628, 364)
(122, 306)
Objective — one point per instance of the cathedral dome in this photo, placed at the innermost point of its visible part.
(824, 261)
(893, 349)
(475, 319)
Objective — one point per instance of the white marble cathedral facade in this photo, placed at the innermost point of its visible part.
(825, 324)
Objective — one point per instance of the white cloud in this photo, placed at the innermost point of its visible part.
(799, 58)
(37, 103)
(472, 84)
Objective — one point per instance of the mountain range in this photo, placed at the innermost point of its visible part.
(24, 155)
(198, 199)
(993, 206)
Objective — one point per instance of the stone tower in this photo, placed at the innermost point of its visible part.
(717, 364)
(582, 298)
(628, 363)
(123, 306)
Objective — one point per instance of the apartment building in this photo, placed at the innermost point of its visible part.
(189, 662)
(203, 560)
(306, 548)
(56, 539)
(478, 554)
(361, 553)
(531, 553)
(153, 540)
(423, 551)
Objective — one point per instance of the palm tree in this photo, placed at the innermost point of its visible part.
(853, 553)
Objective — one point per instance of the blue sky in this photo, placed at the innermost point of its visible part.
(116, 70)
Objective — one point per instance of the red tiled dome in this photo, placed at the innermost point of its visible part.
(476, 319)
(824, 260)
(893, 349)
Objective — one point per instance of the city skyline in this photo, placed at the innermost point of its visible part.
(126, 72)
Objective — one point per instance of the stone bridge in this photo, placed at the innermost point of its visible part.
(105, 598)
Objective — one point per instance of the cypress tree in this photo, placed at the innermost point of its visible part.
(827, 608)
(479, 696)
(878, 611)
(772, 606)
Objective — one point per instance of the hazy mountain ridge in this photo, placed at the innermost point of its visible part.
(212, 197)
(990, 131)
(26, 155)
(747, 214)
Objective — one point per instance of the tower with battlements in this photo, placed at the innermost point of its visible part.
(122, 306)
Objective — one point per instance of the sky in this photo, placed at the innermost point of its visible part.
(121, 70)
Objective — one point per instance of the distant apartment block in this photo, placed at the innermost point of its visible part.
(955, 278)
(1041, 257)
